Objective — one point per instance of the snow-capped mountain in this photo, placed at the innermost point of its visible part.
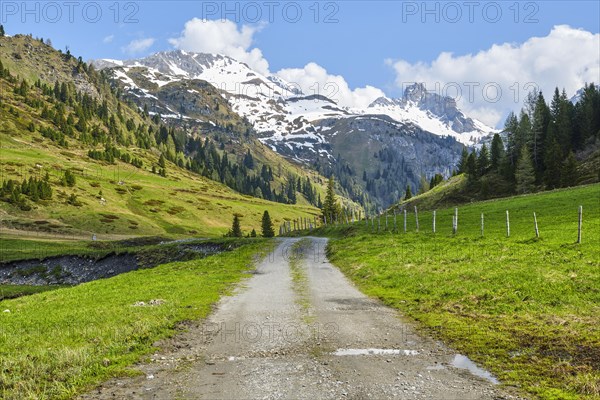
(577, 96)
(433, 113)
(269, 103)
(278, 109)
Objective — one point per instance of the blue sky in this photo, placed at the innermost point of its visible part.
(348, 38)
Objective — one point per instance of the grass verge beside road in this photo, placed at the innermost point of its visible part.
(527, 309)
(57, 344)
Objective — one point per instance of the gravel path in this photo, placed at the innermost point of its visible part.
(301, 332)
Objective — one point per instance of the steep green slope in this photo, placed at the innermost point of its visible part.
(54, 109)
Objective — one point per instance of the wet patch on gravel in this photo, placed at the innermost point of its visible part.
(463, 362)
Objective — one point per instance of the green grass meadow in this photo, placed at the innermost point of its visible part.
(59, 343)
(527, 309)
(14, 291)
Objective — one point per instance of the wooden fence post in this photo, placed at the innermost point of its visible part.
(482, 224)
(537, 232)
(434, 212)
(507, 224)
(455, 220)
(580, 224)
(386, 221)
(405, 220)
(417, 218)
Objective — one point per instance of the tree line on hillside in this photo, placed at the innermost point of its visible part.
(70, 115)
(542, 146)
(33, 190)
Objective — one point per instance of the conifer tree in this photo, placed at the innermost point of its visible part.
(249, 160)
(472, 167)
(483, 161)
(569, 171)
(68, 179)
(267, 225)
(553, 164)
(330, 207)
(497, 153)
(408, 193)
(525, 173)
(539, 129)
(236, 229)
(511, 129)
(462, 165)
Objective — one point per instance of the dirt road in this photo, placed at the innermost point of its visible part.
(301, 330)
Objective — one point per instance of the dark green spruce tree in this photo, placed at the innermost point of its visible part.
(331, 208)
(267, 225)
(525, 173)
(236, 229)
(570, 175)
(496, 153)
(408, 193)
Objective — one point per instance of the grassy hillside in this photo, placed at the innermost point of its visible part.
(456, 191)
(109, 199)
(57, 344)
(451, 192)
(528, 309)
(120, 199)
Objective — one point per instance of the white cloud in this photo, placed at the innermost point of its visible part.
(314, 79)
(108, 39)
(566, 57)
(222, 37)
(138, 46)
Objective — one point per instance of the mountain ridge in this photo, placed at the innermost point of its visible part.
(300, 126)
(272, 90)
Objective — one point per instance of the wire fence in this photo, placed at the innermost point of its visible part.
(519, 223)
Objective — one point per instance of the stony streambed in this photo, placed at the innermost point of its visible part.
(73, 270)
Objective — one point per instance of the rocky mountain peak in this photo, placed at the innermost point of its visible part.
(416, 92)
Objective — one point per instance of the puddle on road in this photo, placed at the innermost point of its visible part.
(374, 352)
(462, 362)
